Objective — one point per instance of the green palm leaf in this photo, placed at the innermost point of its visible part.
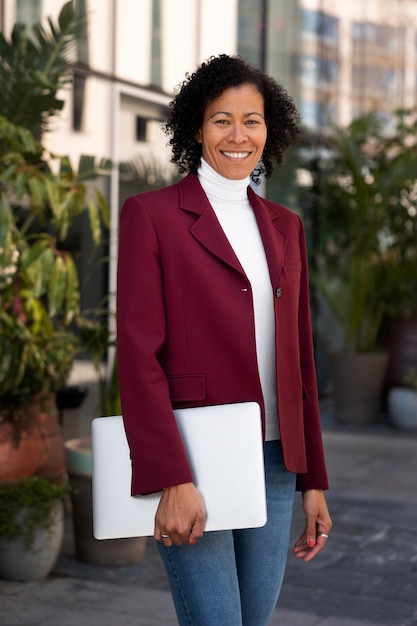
(33, 69)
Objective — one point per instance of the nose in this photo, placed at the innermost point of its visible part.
(238, 133)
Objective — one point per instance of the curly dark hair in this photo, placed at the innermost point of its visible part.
(205, 85)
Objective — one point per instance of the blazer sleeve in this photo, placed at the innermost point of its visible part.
(157, 452)
(316, 475)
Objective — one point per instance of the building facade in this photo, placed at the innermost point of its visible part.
(337, 59)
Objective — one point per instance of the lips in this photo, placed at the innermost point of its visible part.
(236, 155)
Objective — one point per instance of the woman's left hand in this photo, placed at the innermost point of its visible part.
(318, 525)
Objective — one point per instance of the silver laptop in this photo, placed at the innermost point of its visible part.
(225, 451)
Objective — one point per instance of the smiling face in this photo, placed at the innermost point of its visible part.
(233, 133)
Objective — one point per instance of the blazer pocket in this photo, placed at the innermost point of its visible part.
(186, 388)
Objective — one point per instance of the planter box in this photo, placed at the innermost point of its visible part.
(358, 382)
(89, 549)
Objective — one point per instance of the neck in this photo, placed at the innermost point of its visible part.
(219, 187)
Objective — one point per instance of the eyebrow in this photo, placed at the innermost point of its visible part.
(228, 114)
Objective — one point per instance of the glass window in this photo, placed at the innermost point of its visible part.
(78, 95)
(385, 78)
(316, 70)
(374, 78)
(28, 11)
(358, 76)
(82, 41)
(330, 28)
(141, 128)
(251, 31)
(320, 25)
(357, 30)
(309, 114)
(80, 77)
(308, 68)
(156, 71)
(379, 35)
(309, 21)
(315, 115)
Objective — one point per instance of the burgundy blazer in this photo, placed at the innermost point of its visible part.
(186, 336)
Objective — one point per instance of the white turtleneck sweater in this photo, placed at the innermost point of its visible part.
(229, 199)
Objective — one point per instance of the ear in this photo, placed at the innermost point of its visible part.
(198, 137)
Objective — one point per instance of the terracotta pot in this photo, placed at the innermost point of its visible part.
(34, 445)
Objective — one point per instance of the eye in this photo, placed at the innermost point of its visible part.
(222, 122)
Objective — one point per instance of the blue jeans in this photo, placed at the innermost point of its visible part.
(234, 578)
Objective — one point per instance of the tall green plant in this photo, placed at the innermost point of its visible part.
(39, 284)
(41, 196)
(35, 66)
(367, 223)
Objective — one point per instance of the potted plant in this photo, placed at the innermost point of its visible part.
(31, 527)
(400, 259)
(363, 176)
(39, 289)
(41, 197)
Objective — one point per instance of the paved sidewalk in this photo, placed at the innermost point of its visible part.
(366, 577)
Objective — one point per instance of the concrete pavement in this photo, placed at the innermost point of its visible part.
(366, 577)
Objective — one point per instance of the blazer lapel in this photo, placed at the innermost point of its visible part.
(206, 229)
(274, 238)
(208, 232)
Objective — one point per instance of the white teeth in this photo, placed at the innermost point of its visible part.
(236, 155)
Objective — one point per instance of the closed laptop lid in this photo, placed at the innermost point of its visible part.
(225, 450)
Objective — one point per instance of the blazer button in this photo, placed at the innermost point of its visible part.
(278, 292)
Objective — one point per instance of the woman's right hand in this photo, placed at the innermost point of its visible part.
(181, 515)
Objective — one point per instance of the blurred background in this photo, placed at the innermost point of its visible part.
(340, 61)
(85, 86)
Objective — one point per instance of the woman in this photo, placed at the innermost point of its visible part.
(213, 309)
